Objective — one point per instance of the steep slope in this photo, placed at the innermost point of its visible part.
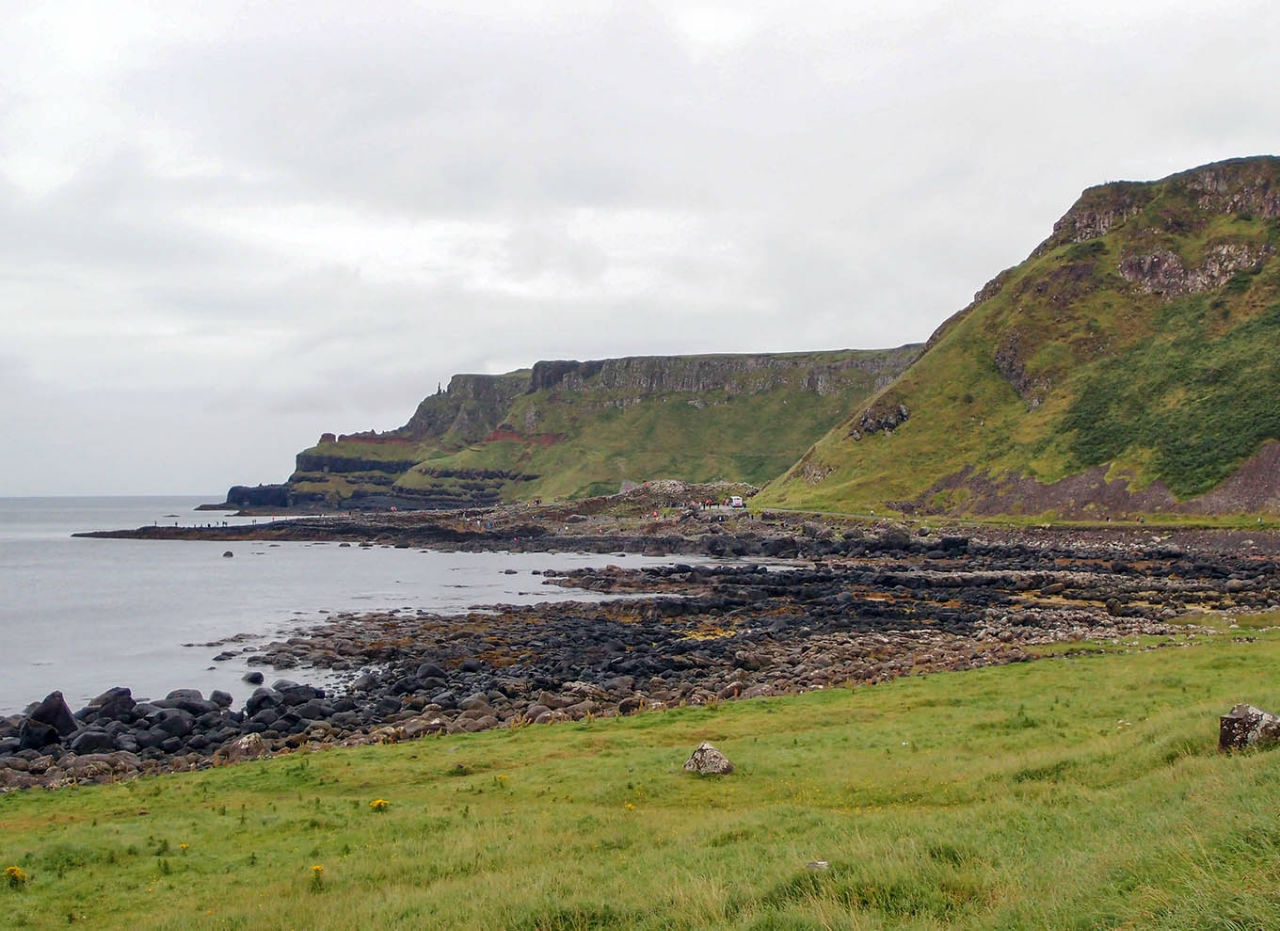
(1128, 366)
(569, 429)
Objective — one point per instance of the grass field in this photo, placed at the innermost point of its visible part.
(1080, 791)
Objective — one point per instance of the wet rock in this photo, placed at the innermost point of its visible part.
(707, 760)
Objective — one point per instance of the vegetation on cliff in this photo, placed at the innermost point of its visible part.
(1127, 366)
(573, 429)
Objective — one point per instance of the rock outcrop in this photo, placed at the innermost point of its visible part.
(492, 438)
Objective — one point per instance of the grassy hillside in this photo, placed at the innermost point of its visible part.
(1076, 792)
(569, 429)
(1138, 341)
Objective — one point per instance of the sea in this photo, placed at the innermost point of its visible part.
(82, 615)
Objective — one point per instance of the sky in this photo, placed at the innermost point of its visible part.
(228, 227)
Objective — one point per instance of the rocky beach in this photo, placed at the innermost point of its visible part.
(805, 604)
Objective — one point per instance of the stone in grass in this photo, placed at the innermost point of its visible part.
(1247, 726)
(707, 760)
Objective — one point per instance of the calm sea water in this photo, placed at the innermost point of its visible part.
(84, 615)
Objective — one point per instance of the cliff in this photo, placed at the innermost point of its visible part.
(568, 429)
(1125, 368)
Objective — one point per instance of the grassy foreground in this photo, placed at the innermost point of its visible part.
(1075, 792)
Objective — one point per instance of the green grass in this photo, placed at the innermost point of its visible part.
(1074, 792)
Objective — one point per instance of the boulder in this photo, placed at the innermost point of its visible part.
(262, 697)
(54, 712)
(113, 704)
(707, 760)
(36, 735)
(92, 740)
(248, 747)
(176, 723)
(1247, 726)
(431, 671)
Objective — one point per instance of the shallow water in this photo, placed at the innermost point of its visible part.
(84, 615)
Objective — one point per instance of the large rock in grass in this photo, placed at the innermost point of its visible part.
(708, 761)
(1247, 726)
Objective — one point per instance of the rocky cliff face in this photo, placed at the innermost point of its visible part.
(642, 376)
(469, 409)
(565, 428)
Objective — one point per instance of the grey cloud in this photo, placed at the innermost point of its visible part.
(839, 177)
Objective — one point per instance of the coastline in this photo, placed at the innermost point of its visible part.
(856, 605)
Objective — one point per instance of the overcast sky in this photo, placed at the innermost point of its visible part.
(226, 228)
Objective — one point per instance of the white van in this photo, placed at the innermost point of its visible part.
(735, 501)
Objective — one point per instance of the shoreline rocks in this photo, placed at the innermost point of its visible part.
(869, 605)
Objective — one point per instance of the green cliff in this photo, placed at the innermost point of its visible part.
(567, 429)
(1129, 366)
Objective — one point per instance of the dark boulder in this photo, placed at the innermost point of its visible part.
(36, 735)
(175, 723)
(314, 710)
(430, 671)
(113, 704)
(54, 712)
(92, 740)
(262, 698)
(298, 694)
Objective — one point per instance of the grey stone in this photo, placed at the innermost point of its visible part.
(1247, 726)
(707, 760)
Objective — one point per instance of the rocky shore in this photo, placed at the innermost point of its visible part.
(822, 605)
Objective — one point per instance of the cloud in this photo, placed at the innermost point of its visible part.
(251, 223)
